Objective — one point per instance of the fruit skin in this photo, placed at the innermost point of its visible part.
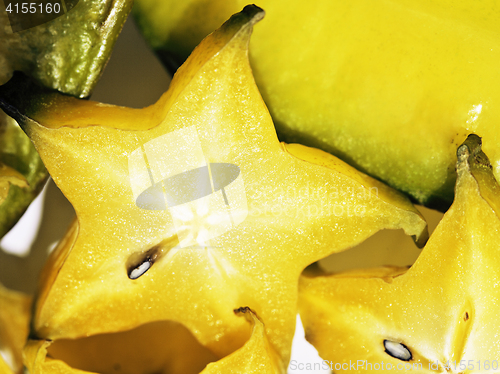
(8, 177)
(68, 54)
(391, 88)
(301, 204)
(256, 356)
(440, 309)
(19, 155)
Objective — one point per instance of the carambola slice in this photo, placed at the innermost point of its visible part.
(441, 313)
(191, 208)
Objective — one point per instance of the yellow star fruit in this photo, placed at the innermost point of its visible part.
(15, 314)
(440, 314)
(382, 84)
(191, 208)
(172, 350)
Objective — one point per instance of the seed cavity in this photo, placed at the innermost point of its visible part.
(397, 350)
(466, 316)
(140, 263)
(140, 270)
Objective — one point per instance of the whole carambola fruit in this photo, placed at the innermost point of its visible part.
(191, 208)
(68, 54)
(390, 87)
(437, 315)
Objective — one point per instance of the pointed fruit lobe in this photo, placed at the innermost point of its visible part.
(438, 312)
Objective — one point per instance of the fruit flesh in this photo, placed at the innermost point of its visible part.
(390, 87)
(294, 211)
(449, 290)
(177, 351)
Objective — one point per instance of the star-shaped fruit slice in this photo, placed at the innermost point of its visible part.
(191, 208)
(440, 315)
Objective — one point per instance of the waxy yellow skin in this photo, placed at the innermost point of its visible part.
(443, 309)
(391, 87)
(290, 206)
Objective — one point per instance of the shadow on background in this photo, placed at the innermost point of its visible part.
(21, 272)
(133, 76)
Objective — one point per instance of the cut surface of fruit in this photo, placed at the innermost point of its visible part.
(386, 314)
(173, 350)
(391, 87)
(191, 208)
